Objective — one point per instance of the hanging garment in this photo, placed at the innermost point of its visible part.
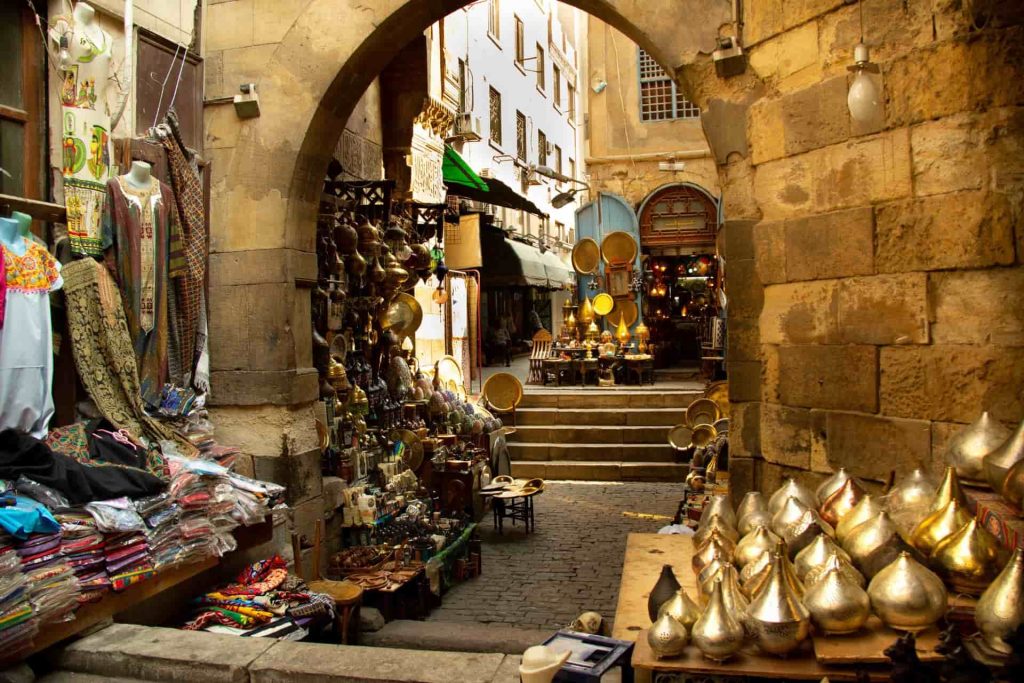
(188, 196)
(85, 132)
(142, 241)
(26, 355)
(103, 351)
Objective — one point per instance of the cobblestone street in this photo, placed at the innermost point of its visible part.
(572, 563)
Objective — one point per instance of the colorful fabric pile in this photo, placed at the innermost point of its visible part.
(18, 624)
(163, 529)
(193, 495)
(83, 548)
(51, 583)
(125, 550)
(264, 601)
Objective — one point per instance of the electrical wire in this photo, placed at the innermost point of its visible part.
(622, 104)
(163, 86)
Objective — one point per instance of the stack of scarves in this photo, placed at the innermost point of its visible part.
(18, 623)
(52, 584)
(193, 497)
(127, 558)
(163, 529)
(83, 547)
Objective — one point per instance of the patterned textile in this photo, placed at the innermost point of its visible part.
(35, 271)
(188, 193)
(3, 288)
(143, 249)
(103, 350)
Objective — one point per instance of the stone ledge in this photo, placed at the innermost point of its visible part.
(456, 636)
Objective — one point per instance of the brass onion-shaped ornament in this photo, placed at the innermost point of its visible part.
(970, 558)
(998, 462)
(667, 637)
(790, 512)
(720, 505)
(836, 603)
(758, 542)
(791, 489)
(803, 531)
(710, 570)
(875, 544)
(735, 599)
(1000, 610)
(939, 525)
(724, 541)
(841, 502)
(760, 581)
(711, 524)
(949, 489)
(752, 511)
(718, 634)
(815, 555)
(867, 508)
(776, 620)
(967, 450)
(682, 608)
(916, 488)
(906, 595)
(710, 551)
(1013, 485)
(835, 561)
(831, 485)
(752, 570)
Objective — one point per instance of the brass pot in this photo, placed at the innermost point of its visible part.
(967, 450)
(720, 505)
(752, 511)
(835, 561)
(815, 555)
(667, 637)
(970, 558)
(735, 599)
(776, 620)
(1013, 485)
(712, 523)
(718, 634)
(1000, 611)
(788, 490)
(998, 462)
(906, 595)
(949, 489)
(867, 508)
(938, 525)
(681, 608)
(760, 581)
(837, 604)
(916, 488)
(710, 551)
(841, 502)
(748, 573)
(790, 512)
(803, 531)
(831, 485)
(753, 545)
(875, 544)
(710, 570)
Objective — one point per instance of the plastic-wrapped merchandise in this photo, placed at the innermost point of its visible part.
(49, 497)
(116, 515)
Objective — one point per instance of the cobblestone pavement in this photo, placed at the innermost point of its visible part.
(571, 564)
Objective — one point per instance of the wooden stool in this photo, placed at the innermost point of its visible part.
(346, 595)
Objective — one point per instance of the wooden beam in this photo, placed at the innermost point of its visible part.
(44, 211)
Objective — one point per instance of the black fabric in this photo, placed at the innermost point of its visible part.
(21, 454)
(104, 448)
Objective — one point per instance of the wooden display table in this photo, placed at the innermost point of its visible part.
(645, 555)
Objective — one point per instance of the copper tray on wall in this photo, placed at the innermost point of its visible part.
(618, 247)
(586, 256)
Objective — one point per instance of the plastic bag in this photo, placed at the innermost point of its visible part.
(49, 497)
(115, 515)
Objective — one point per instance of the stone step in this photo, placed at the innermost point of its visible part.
(597, 398)
(601, 471)
(636, 417)
(600, 435)
(627, 452)
(459, 636)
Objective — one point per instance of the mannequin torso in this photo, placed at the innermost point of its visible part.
(140, 175)
(10, 236)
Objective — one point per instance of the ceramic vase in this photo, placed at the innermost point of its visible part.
(663, 590)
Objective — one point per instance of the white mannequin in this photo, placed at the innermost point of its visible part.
(10, 235)
(85, 21)
(140, 175)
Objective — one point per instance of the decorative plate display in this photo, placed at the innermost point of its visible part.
(703, 411)
(680, 437)
(586, 256)
(618, 247)
(603, 304)
(503, 390)
(403, 316)
(703, 434)
(624, 308)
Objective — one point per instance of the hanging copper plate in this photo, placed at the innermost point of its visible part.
(403, 316)
(618, 247)
(586, 256)
(603, 304)
(624, 308)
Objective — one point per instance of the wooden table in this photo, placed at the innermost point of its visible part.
(645, 556)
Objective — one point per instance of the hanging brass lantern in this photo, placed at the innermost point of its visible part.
(622, 332)
(867, 508)
(831, 485)
(998, 462)
(970, 558)
(939, 525)
(1000, 611)
(789, 490)
(906, 595)
(587, 311)
(837, 604)
(776, 619)
(967, 450)
(841, 502)
(718, 634)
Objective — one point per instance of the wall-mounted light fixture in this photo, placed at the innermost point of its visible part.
(864, 98)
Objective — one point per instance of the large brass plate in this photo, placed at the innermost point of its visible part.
(703, 434)
(618, 247)
(624, 308)
(503, 390)
(680, 437)
(703, 411)
(403, 316)
(603, 303)
(586, 256)
(449, 375)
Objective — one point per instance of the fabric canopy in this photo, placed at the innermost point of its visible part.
(457, 172)
(559, 272)
(508, 263)
(497, 193)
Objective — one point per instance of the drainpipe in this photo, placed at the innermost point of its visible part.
(669, 156)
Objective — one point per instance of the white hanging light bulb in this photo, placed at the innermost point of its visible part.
(864, 98)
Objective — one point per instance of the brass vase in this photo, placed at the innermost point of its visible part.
(804, 530)
(752, 511)
(789, 490)
(831, 485)
(906, 595)
(815, 555)
(667, 637)
(970, 558)
(966, 451)
(718, 634)
(710, 551)
(735, 599)
(776, 620)
(938, 525)
(1000, 611)
(835, 561)
(949, 489)
(837, 604)
(791, 511)
(998, 462)
(867, 508)
(1013, 485)
(681, 608)
(663, 591)
(841, 502)
(875, 544)
(710, 525)
(753, 545)
(720, 505)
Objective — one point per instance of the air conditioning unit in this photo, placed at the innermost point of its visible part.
(550, 147)
(485, 173)
(532, 178)
(467, 127)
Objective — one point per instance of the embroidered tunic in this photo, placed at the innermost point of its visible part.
(26, 346)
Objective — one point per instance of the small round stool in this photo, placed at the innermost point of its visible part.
(347, 599)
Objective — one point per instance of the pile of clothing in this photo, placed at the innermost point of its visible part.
(193, 495)
(264, 601)
(51, 583)
(125, 548)
(18, 624)
(163, 529)
(83, 547)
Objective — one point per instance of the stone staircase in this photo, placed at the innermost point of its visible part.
(598, 435)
